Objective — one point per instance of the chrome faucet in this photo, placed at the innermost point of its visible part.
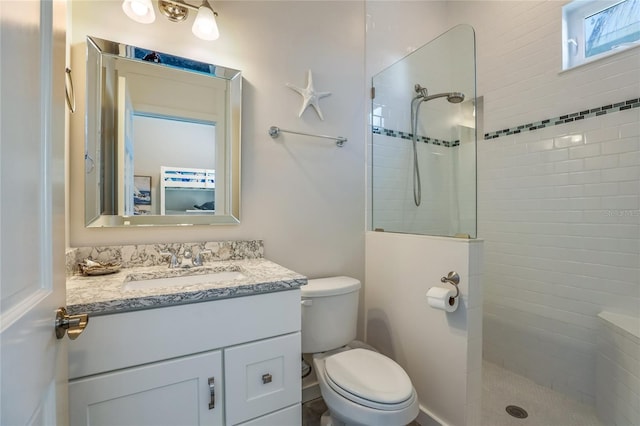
(198, 260)
(176, 262)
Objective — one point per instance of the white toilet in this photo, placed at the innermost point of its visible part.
(359, 386)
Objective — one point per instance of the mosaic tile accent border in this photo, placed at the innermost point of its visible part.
(567, 118)
(409, 136)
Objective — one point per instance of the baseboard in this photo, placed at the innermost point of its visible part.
(310, 392)
(427, 418)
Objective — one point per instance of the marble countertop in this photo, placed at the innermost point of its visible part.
(108, 294)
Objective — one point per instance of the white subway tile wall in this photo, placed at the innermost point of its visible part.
(561, 225)
(618, 369)
(558, 207)
(519, 58)
(393, 206)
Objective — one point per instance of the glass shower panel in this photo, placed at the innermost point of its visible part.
(424, 139)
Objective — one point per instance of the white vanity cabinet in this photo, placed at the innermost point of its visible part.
(225, 362)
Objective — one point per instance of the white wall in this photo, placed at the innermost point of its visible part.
(558, 207)
(441, 351)
(303, 196)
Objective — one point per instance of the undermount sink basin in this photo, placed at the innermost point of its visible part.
(181, 277)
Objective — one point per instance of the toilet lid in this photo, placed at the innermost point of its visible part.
(369, 375)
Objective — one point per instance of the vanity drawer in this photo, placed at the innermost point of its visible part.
(262, 377)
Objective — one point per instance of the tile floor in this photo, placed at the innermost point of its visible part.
(312, 411)
(500, 387)
(545, 406)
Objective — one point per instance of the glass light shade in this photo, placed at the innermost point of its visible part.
(205, 26)
(139, 10)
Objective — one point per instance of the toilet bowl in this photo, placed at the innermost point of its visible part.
(359, 386)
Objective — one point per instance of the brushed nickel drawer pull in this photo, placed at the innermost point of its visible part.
(266, 378)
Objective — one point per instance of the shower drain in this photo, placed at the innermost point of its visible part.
(517, 412)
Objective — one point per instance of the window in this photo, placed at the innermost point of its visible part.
(592, 29)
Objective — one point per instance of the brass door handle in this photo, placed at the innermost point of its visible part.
(73, 325)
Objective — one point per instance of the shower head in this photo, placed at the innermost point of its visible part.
(423, 95)
(453, 97)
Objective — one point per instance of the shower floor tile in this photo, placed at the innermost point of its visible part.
(545, 407)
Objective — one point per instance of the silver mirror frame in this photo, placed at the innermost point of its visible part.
(99, 197)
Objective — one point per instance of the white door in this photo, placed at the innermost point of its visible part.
(33, 363)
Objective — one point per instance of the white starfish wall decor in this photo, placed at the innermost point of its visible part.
(309, 96)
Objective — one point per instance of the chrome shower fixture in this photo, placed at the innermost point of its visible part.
(423, 96)
(421, 91)
(455, 97)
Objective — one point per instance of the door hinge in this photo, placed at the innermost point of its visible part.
(373, 92)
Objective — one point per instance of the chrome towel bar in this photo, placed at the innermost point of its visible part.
(274, 132)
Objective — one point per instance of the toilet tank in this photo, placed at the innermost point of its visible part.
(329, 313)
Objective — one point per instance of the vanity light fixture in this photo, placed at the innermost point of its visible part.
(204, 26)
(139, 10)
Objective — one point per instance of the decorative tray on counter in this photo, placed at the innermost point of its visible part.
(91, 267)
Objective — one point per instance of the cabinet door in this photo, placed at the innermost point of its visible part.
(174, 392)
(262, 377)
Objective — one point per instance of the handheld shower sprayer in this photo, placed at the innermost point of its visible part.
(423, 96)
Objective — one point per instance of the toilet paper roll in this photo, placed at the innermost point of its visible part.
(442, 298)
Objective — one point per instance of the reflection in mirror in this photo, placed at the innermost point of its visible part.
(163, 139)
(169, 192)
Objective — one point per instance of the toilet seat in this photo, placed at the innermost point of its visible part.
(370, 379)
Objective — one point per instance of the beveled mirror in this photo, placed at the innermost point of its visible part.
(162, 143)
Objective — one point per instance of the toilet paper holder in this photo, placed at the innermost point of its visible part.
(454, 279)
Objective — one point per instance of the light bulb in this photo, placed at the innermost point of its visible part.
(205, 26)
(139, 10)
